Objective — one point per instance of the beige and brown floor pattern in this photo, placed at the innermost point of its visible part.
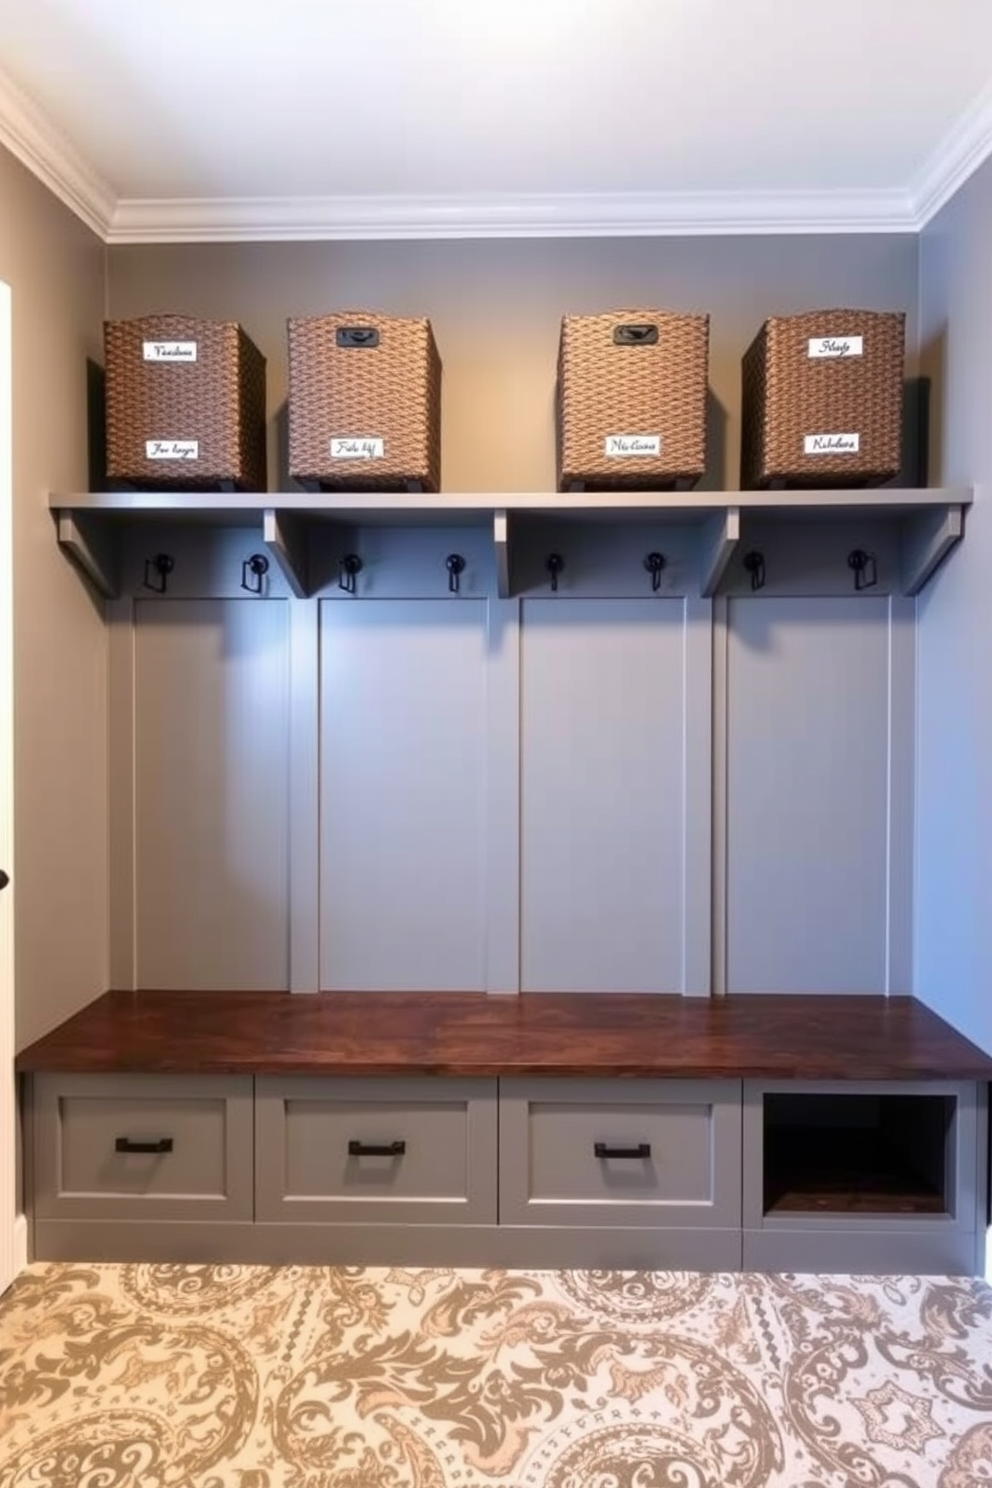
(303, 1377)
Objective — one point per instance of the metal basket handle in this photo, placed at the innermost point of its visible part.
(635, 335)
(357, 336)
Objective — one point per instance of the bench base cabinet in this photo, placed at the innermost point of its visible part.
(656, 1174)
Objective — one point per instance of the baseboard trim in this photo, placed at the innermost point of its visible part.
(19, 1244)
(541, 1247)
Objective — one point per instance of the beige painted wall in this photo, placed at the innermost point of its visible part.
(56, 269)
(496, 309)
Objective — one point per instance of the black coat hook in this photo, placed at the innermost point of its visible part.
(161, 565)
(455, 564)
(351, 567)
(754, 564)
(554, 563)
(258, 566)
(865, 568)
(654, 563)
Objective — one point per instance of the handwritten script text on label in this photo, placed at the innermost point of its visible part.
(836, 346)
(632, 444)
(172, 449)
(358, 449)
(169, 351)
(832, 444)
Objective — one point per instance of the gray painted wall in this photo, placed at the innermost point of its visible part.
(954, 782)
(56, 269)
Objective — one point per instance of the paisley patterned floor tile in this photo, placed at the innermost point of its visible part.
(306, 1377)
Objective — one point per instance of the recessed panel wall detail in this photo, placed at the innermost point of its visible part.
(819, 796)
(211, 794)
(603, 796)
(403, 723)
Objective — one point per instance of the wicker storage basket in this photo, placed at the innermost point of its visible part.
(364, 403)
(185, 404)
(631, 399)
(822, 400)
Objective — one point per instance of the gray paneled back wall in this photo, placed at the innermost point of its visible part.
(600, 789)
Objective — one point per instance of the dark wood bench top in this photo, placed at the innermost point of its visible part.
(470, 1033)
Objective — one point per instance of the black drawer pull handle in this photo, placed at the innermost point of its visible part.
(643, 1149)
(376, 1149)
(125, 1144)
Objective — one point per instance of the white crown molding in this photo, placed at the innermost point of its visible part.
(301, 219)
(29, 134)
(966, 146)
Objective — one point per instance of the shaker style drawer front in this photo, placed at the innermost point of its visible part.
(414, 1150)
(143, 1146)
(643, 1152)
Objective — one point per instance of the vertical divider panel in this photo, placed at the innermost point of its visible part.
(123, 938)
(718, 877)
(304, 795)
(902, 794)
(698, 795)
(502, 908)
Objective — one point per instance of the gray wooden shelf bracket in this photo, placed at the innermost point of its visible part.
(501, 538)
(285, 537)
(929, 537)
(722, 534)
(92, 546)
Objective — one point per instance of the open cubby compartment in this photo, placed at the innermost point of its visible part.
(858, 1152)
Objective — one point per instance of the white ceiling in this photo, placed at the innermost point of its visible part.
(240, 118)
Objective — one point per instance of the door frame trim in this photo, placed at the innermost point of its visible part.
(13, 1241)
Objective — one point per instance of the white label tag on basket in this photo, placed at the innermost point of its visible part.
(832, 444)
(617, 445)
(172, 449)
(169, 351)
(358, 449)
(837, 346)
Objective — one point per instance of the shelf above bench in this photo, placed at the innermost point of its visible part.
(930, 521)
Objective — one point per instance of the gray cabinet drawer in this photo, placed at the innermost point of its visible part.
(605, 1152)
(412, 1150)
(159, 1147)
